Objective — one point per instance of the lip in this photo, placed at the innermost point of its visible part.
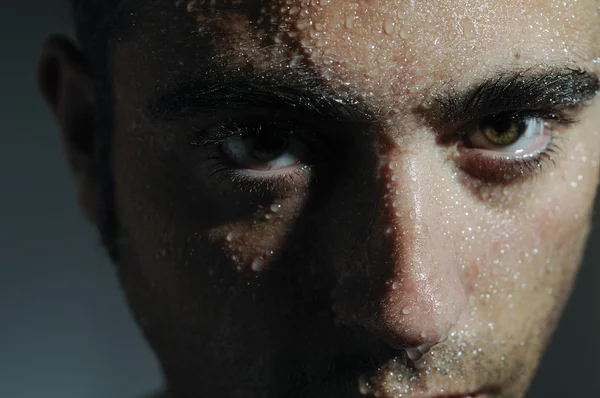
(475, 394)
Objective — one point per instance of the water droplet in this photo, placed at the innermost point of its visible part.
(275, 208)
(349, 21)
(229, 237)
(302, 24)
(406, 310)
(388, 26)
(404, 33)
(258, 264)
(395, 286)
(468, 29)
(412, 215)
(423, 334)
(363, 386)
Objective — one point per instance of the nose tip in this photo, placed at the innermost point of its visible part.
(418, 315)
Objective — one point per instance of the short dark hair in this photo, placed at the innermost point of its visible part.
(93, 22)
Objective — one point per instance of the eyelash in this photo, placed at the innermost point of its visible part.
(497, 169)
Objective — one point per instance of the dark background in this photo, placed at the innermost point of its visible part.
(65, 330)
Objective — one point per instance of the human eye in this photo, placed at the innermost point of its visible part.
(509, 145)
(262, 153)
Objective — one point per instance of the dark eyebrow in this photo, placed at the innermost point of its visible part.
(214, 91)
(514, 91)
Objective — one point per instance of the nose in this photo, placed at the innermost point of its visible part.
(402, 280)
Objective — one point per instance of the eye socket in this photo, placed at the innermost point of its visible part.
(509, 134)
(265, 151)
(507, 146)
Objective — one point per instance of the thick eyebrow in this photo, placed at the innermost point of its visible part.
(528, 89)
(211, 90)
(214, 91)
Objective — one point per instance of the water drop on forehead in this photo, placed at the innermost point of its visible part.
(389, 26)
(468, 29)
(404, 32)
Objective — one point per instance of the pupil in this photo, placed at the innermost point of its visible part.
(265, 148)
(504, 125)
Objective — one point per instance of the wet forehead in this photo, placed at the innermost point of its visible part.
(385, 49)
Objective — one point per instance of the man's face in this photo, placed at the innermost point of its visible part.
(311, 194)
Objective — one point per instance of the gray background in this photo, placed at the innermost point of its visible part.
(65, 330)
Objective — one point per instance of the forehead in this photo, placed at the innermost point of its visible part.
(392, 50)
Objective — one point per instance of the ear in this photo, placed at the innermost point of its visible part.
(64, 80)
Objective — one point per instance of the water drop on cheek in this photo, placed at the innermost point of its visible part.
(258, 264)
(349, 22)
(412, 215)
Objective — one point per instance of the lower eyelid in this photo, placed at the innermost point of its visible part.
(505, 169)
(229, 178)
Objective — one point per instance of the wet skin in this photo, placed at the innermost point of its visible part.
(313, 194)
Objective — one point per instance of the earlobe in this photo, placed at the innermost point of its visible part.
(65, 82)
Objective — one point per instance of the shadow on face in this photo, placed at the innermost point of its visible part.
(334, 198)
